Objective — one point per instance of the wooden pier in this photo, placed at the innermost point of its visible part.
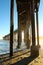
(26, 17)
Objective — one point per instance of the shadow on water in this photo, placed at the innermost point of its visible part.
(25, 61)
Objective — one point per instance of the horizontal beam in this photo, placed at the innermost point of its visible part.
(22, 12)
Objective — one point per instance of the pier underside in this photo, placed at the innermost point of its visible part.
(26, 18)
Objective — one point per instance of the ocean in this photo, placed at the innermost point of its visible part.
(5, 46)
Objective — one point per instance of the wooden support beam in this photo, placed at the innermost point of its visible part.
(32, 21)
(11, 27)
(22, 12)
(19, 32)
(26, 32)
(37, 24)
(34, 48)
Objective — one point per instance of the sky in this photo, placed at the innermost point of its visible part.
(5, 17)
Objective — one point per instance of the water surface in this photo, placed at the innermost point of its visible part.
(5, 46)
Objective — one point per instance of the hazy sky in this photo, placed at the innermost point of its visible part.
(5, 17)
